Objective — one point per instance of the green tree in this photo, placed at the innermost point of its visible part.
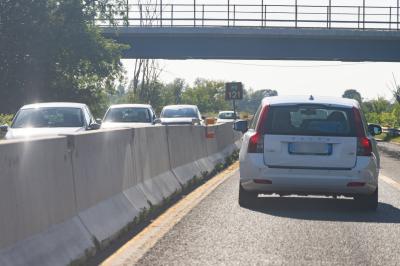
(51, 51)
(352, 94)
(252, 99)
(208, 95)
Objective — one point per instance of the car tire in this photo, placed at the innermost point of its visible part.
(246, 198)
(368, 202)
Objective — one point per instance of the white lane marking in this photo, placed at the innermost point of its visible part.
(390, 181)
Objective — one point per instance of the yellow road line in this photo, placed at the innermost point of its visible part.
(134, 250)
(390, 181)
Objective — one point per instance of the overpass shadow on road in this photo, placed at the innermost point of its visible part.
(325, 209)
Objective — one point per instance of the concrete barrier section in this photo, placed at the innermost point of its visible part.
(214, 155)
(152, 164)
(101, 161)
(200, 149)
(37, 204)
(225, 139)
(59, 244)
(182, 153)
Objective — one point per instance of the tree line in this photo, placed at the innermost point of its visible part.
(379, 110)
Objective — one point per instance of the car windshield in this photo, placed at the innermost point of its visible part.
(227, 115)
(49, 117)
(179, 112)
(128, 115)
(310, 120)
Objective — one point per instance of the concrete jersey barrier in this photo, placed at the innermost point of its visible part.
(60, 197)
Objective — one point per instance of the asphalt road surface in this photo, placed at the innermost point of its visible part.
(285, 231)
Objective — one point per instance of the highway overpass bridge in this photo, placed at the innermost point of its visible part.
(259, 31)
(258, 43)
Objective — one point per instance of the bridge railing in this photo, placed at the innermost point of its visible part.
(384, 17)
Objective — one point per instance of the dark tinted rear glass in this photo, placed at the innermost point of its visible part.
(128, 115)
(310, 120)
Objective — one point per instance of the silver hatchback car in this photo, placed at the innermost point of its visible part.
(309, 146)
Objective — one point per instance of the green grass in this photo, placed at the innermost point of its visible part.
(386, 137)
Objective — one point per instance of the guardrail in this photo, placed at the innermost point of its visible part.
(385, 16)
(63, 197)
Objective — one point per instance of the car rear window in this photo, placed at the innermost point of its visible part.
(178, 112)
(310, 120)
(128, 115)
(227, 115)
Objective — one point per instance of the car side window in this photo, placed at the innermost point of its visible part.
(253, 123)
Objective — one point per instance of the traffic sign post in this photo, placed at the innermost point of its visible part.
(234, 91)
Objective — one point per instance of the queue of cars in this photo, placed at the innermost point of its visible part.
(293, 145)
(44, 119)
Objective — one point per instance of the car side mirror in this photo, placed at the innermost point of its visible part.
(98, 121)
(157, 121)
(203, 117)
(94, 126)
(4, 128)
(196, 121)
(374, 129)
(241, 126)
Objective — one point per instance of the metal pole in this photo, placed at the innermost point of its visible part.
(358, 20)
(141, 15)
(161, 18)
(327, 17)
(390, 18)
(172, 15)
(262, 13)
(363, 14)
(202, 16)
(228, 12)
(265, 15)
(127, 12)
(295, 17)
(234, 15)
(398, 14)
(330, 13)
(194, 13)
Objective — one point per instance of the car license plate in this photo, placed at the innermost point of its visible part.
(310, 148)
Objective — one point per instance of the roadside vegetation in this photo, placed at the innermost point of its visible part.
(5, 119)
(380, 111)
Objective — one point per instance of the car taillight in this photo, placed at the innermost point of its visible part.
(256, 143)
(364, 146)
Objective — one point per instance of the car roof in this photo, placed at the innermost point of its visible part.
(223, 112)
(310, 99)
(53, 104)
(131, 105)
(179, 106)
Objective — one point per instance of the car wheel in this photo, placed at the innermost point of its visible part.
(368, 202)
(246, 198)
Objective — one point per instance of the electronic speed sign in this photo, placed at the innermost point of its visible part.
(233, 91)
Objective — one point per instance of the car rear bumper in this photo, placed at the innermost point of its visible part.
(253, 173)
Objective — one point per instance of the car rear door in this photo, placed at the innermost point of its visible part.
(310, 137)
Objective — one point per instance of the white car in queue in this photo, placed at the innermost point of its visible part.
(226, 116)
(128, 115)
(49, 119)
(309, 146)
(183, 114)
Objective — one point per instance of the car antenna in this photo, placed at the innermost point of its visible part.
(311, 98)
